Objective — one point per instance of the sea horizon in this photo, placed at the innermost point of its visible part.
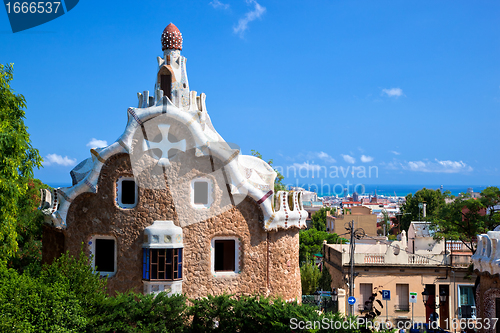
(388, 190)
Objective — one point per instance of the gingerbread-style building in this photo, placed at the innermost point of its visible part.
(172, 206)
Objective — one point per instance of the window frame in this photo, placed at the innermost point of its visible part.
(92, 248)
(119, 190)
(209, 192)
(362, 295)
(459, 300)
(147, 263)
(403, 292)
(237, 259)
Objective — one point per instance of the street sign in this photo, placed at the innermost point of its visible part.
(386, 295)
(351, 300)
(413, 297)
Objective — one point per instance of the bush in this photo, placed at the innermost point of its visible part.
(28, 304)
(252, 314)
(132, 312)
(61, 297)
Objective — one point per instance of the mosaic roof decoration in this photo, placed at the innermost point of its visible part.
(171, 38)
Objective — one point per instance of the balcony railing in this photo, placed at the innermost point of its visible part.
(456, 259)
(402, 307)
(456, 246)
(374, 259)
(419, 260)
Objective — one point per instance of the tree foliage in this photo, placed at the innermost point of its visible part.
(410, 210)
(311, 242)
(318, 219)
(29, 228)
(278, 182)
(465, 217)
(18, 159)
(325, 280)
(61, 297)
(309, 277)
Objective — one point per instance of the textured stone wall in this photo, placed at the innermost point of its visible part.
(242, 222)
(268, 262)
(486, 294)
(97, 214)
(284, 272)
(52, 244)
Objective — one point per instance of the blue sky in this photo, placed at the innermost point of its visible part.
(410, 89)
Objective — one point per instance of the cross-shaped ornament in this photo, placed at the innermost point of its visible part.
(164, 145)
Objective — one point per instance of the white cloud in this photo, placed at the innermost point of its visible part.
(395, 152)
(249, 17)
(349, 159)
(393, 92)
(58, 159)
(95, 143)
(306, 166)
(437, 166)
(218, 4)
(325, 157)
(366, 159)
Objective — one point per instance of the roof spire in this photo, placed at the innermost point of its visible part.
(171, 38)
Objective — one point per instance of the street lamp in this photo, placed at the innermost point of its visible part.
(335, 297)
(317, 298)
(443, 295)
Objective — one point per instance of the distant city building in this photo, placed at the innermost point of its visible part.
(412, 264)
(362, 217)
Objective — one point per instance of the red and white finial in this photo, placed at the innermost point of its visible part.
(171, 38)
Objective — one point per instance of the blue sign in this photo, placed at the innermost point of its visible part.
(351, 300)
(386, 295)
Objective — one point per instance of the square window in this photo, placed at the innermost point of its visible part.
(225, 256)
(105, 255)
(201, 189)
(103, 250)
(126, 192)
(200, 193)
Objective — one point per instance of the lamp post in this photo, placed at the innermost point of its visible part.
(317, 298)
(335, 298)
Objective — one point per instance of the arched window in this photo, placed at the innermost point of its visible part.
(166, 82)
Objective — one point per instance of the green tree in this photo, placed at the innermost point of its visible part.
(318, 219)
(278, 182)
(465, 217)
(311, 242)
(18, 159)
(433, 199)
(309, 278)
(29, 228)
(325, 280)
